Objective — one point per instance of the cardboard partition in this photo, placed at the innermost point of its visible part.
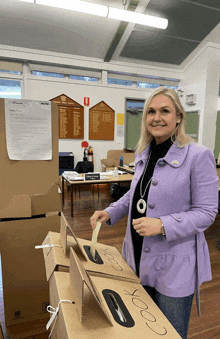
(102, 308)
(22, 181)
(25, 288)
(108, 261)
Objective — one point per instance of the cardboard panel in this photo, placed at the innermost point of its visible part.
(66, 241)
(25, 287)
(25, 178)
(79, 281)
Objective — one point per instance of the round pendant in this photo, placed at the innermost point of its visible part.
(143, 203)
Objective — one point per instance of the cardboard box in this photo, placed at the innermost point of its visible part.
(29, 208)
(28, 329)
(100, 308)
(25, 288)
(108, 263)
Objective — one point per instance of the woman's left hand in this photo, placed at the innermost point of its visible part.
(147, 227)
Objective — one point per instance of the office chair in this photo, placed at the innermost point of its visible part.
(85, 167)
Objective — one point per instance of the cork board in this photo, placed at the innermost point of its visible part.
(101, 122)
(71, 118)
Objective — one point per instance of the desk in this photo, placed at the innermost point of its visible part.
(126, 169)
(121, 178)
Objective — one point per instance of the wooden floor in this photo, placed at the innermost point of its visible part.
(208, 325)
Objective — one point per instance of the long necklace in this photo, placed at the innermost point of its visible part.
(142, 201)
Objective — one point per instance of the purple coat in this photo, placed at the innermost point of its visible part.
(184, 195)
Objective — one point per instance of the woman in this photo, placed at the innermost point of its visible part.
(173, 198)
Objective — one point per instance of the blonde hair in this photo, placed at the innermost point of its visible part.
(179, 135)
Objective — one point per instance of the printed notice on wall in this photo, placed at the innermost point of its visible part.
(28, 129)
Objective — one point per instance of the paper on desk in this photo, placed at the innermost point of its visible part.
(73, 173)
(95, 234)
(75, 178)
(28, 129)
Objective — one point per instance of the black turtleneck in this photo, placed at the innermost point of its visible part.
(158, 151)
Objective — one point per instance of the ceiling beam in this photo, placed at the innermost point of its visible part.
(119, 33)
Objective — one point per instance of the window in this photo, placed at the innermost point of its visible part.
(147, 85)
(150, 85)
(48, 74)
(172, 87)
(11, 72)
(121, 82)
(10, 89)
(83, 78)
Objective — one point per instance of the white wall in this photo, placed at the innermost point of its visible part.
(201, 77)
(39, 88)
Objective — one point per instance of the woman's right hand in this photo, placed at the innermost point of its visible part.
(100, 216)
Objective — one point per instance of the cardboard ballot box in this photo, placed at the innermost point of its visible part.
(29, 207)
(108, 261)
(92, 306)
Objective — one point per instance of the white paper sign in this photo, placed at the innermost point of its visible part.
(120, 131)
(28, 129)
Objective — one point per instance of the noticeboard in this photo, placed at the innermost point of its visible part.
(71, 118)
(101, 122)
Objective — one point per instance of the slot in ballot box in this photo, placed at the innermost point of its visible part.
(99, 307)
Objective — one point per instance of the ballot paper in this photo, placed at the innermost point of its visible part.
(95, 234)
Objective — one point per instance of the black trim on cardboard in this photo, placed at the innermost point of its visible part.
(98, 259)
(117, 306)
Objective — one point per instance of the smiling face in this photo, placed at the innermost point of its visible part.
(161, 118)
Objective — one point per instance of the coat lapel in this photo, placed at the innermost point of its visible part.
(174, 157)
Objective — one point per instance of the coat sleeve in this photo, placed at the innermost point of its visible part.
(119, 209)
(204, 200)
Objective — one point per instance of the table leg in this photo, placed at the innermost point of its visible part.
(63, 191)
(71, 188)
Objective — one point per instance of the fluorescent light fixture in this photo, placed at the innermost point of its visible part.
(105, 11)
(77, 5)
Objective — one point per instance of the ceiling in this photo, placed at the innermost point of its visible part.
(40, 27)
